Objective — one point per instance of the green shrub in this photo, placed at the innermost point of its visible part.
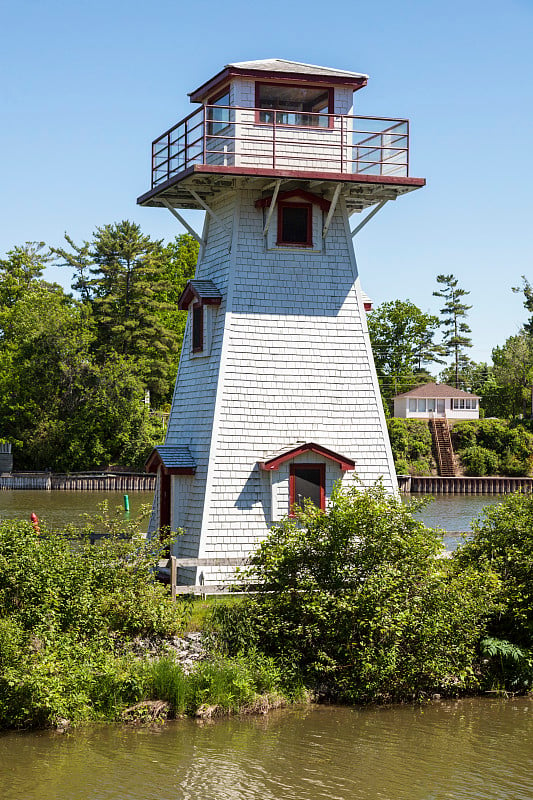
(63, 607)
(502, 541)
(511, 446)
(411, 444)
(478, 460)
(357, 604)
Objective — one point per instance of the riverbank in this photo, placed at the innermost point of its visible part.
(353, 606)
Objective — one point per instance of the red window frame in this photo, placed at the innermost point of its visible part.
(212, 130)
(292, 484)
(330, 111)
(197, 333)
(284, 242)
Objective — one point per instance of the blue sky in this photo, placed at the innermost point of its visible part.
(85, 87)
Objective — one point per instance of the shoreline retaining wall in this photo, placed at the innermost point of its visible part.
(435, 484)
(77, 482)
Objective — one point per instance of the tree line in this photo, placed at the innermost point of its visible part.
(81, 371)
(406, 346)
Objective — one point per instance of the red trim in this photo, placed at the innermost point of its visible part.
(309, 230)
(197, 333)
(210, 86)
(292, 484)
(164, 500)
(258, 109)
(302, 175)
(324, 204)
(274, 463)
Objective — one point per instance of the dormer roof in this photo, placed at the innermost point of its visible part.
(173, 460)
(274, 460)
(280, 69)
(204, 292)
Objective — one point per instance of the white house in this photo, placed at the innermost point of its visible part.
(276, 397)
(436, 400)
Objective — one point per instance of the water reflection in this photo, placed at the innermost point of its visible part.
(475, 748)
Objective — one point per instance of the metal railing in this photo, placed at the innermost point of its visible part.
(231, 136)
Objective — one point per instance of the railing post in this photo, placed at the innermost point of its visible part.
(185, 145)
(168, 155)
(204, 153)
(274, 141)
(173, 576)
(342, 143)
(407, 160)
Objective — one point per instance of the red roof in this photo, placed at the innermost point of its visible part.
(435, 390)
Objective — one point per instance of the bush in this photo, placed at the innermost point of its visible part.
(357, 605)
(478, 460)
(510, 445)
(63, 606)
(411, 444)
(502, 542)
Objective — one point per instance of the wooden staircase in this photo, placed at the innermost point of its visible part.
(443, 447)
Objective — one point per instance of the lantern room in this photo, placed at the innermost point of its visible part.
(275, 118)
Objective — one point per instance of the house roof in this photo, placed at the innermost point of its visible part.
(173, 459)
(279, 69)
(274, 460)
(436, 390)
(204, 292)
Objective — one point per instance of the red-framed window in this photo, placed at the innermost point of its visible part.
(307, 482)
(197, 328)
(301, 105)
(295, 224)
(220, 117)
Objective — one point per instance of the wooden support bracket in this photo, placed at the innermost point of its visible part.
(183, 222)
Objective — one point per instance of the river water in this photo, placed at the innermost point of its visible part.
(449, 512)
(473, 749)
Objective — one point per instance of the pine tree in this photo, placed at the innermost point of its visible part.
(453, 315)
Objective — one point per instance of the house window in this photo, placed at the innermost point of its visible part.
(307, 482)
(421, 405)
(197, 328)
(295, 224)
(306, 106)
(218, 117)
(474, 405)
(412, 405)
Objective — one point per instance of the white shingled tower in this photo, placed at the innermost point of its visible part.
(276, 397)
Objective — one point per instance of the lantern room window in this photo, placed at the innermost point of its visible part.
(218, 115)
(305, 106)
(295, 224)
(307, 482)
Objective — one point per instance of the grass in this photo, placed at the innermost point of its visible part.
(202, 607)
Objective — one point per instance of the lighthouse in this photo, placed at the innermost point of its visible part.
(276, 397)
